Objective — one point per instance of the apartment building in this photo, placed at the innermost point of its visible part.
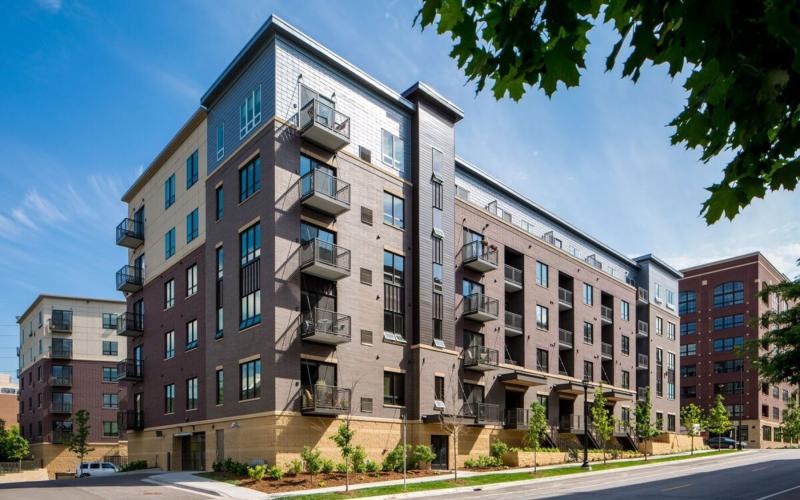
(345, 263)
(68, 355)
(718, 305)
(9, 407)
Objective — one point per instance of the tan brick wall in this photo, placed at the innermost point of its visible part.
(24, 476)
(56, 458)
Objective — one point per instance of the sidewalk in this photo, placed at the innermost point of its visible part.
(190, 481)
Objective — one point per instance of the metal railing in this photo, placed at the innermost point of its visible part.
(477, 250)
(324, 397)
(130, 368)
(607, 349)
(61, 351)
(564, 296)
(60, 407)
(64, 380)
(129, 275)
(130, 322)
(569, 422)
(513, 320)
(324, 252)
(606, 313)
(565, 337)
(642, 294)
(641, 393)
(19, 466)
(323, 322)
(60, 321)
(642, 360)
(318, 181)
(518, 417)
(130, 420)
(130, 228)
(479, 355)
(317, 112)
(513, 275)
(482, 412)
(642, 327)
(480, 303)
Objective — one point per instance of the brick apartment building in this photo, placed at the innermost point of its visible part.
(68, 355)
(718, 304)
(9, 407)
(315, 249)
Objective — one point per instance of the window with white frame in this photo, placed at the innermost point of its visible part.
(191, 280)
(392, 150)
(220, 141)
(250, 112)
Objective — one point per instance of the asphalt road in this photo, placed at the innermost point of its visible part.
(755, 475)
(118, 487)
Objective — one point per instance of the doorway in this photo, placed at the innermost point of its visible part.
(439, 445)
(193, 451)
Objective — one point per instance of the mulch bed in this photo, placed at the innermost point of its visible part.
(303, 480)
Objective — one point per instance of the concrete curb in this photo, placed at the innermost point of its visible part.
(195, 489)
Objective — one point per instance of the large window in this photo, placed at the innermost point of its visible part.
(191, 393)
(111, 401)
(169, 398)
(688, 371)
(542, 274)
(728, 294)
(169, 345)
(688, 328)
(192, 169)
(687, 302)
(659, 326)
(393, 296)
(169, 294)
(542, 317)
(729, 388)
(109, 321)
(110, 428)
(626, 379)
(219, 330)
(191, 334)
(728, 366)
(250, 112)
(625, 310)
(250, 243)
(249, 179)
(220, 141)
(219, 196)
(588, 370)
(392, 150)
(219, 381)
(169, 243)
(588, 333)
(191, 280)
(730, 321)
(250, 379)
(588, 294)
(670, 330)
(169, 191)
(110, 348)
(543, 360)
(249, 277)
(728, 344)
(688, 350)
(192, 225)
(671, 362)
(109, 374)
(393, 210)
(394, 388)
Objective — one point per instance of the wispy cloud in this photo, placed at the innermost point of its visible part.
(50, 5)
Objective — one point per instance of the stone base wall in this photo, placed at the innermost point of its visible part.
(24, 476)
(56, 458)
(671, 442)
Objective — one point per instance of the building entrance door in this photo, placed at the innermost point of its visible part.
(439, 445)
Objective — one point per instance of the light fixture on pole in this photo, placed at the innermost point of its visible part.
(585, 465)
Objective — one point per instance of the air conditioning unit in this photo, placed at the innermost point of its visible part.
(438, 343)
(439, 405)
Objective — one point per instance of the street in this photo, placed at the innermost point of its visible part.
(118, 487)
(756, 475)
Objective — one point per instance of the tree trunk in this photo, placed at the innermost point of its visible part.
(535, 460)
(692, 440)
(455, 456)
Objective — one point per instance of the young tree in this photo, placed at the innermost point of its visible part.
(740, 96)
(452, 420)
(791, 422)
(602, 420)
(692, 418)
(780, 358)
(718, 422)
(645, 430)
(13, 447)
(79, 442)
(344, 441)
(537, 429)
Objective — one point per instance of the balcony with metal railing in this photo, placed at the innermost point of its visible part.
(130, 324)
(60, 407)
(130, 233)
(514, 324)
(60, 350)
(480, 358)
(513, 279)
(324, 192)
(642, 295)
(482, 413)
(479, 307)
(517, 418)
(322, 124)
(63, 380)
(565, 338)
(324, 400)
(130, 370)
(324, 260)
(572, 424)
(642, 361)
(564, 299)
(325, 327)
(606, 350)
(606, 315)
(642, 328)
(129, 279)
(641, 393)
(60, 437)
(130, 420)
(479, 257)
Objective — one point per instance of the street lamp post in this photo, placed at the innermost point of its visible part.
(586, 465)
(741, 408)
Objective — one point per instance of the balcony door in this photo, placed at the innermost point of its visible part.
(324, 183)
(313, 373)
(325, 109)
(316, 294)
(138, 220)
(470, 287)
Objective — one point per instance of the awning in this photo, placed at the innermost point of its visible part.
(522, 379)
(618, 395)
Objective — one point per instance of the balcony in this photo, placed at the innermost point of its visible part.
(641, 393)
(642, 295)
(479, 307)
(130, 324)
(482, 413)
(325, 260)
(130, 370)
(130, 233)
(606, 315)
(513, 279)
(564, 299)
(61, 437)
(642, 361)
(517, 418)
(129, 279)
(324, 400)
(606, 350)
(565, 339)
(642, 328)
(62, 407)
(130, 420)
(61, 351)
(64, 380)
(324, 192)
(322, 124)
(325, 327)
(479, 257)
(571, 424)
(481, 358)
(513, 324)
(61, 322)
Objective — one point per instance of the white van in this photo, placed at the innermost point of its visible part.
(96, 469)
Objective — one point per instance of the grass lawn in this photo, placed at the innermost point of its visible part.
(494, 478)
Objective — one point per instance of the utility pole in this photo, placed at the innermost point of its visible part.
(405, 450)
(586, 465)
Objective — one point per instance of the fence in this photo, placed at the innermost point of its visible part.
(9, 467)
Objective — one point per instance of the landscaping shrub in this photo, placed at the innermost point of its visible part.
(423, 455)
(393, 461)
(230, 466)
(312, 460)
(416, 456)
(358, 459)
(275, 472)
(482, 462)
(135, 465)
(341, 467)
(497, 448)
(327, 465)
(295, 467)
(257, 472)
(371, 466)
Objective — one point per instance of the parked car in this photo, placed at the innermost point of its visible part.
(723, 442)
(96, 469)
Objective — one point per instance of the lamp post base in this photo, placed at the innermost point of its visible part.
(586, 466)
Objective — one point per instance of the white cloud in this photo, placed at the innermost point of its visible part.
(51, 5)
(21, 216)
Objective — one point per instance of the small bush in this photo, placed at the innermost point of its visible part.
(341, 467)
(482, 462)
(295, 467)
(393, 461)
(423, 454)
(275, 472)
(257, 472)
(371, 466)
(231, 466)
(312, 460)
(137, 465)
(327, 465)
(358, 459)
(497, 448)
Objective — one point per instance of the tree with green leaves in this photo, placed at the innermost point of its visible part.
(645, 430)
(537, 429)
(602, 419)
(13, 446)
(344, 441)
(79, 442)
(718, 421)
(742, 98)
(692, 418)
(779, 357)
(791, 421)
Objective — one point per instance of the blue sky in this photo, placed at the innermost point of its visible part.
(91, 91)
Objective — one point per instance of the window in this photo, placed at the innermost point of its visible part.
(192, 169)
(169, 345)
(688, 328)
(670, 299)
(785, 393)
(220, 387)
(109, 321)
(729, 388)
(249, 179)
(687, 302)
(731, 321)
(393, 296)
(543, 360)
(688, 371)
(110, 348)
(626, 379)
(625, 310)
(728, 366)
(250, 243)
(545, 402)
(670, 423)
(250, 112)
(765, 411)
(659, 326)
(393, 210)
(169, 243)
(218, 333)
(111, 401)
(542, 317)
(542, 274)
(688, 350)
(670, 330)
(191, 393)
(658, 292)
(659, 372)
(109, 374)
(588, 294)
(588, 333)
(437, 159)
(659, 420)
(729, 293)
(588, 370)
(249, 279)
(250, 380)
(688, 391)
(110, 428)
(219, 196)
(671, 362)
(169, 398)
(625, 345)
(169, 191)
(775, 392)
(191, 280)
(728, 344)
(220, 141)
(393, 388)
(191, 334)
(766, 433)
(192, 225)
(169, 294)
(392, 151)
(438, 388)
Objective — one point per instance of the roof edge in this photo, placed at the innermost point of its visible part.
(435, 97)
(43, 296)
(661, 263)
(759, 257)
